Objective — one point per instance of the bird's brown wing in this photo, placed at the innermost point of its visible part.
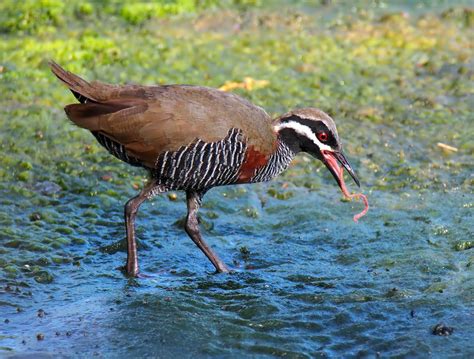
(149, 120)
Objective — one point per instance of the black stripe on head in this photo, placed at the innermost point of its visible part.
(297, 142)
(316, 126)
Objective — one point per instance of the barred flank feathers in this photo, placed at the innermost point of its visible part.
(199, 166)
(116, 149)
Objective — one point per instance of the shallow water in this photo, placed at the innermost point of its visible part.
(313, 283)
(307, 280)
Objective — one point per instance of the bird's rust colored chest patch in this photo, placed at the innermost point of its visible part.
(253, 161)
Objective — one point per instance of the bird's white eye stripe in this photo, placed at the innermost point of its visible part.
(304, 131)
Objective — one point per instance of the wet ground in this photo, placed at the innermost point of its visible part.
(307, 280)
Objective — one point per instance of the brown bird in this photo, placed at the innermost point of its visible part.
(194, 138)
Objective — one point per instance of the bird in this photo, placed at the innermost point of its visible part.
(192, 138)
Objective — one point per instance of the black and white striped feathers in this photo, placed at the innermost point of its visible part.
(277, 163)
(116, 149)
(200, 165)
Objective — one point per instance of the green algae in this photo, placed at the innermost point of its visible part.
(464, 245)
(280, 194)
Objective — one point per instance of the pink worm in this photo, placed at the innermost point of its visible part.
(356, 196)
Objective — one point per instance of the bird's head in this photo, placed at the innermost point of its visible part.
(313, 131)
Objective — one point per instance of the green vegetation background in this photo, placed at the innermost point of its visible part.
(398, 81)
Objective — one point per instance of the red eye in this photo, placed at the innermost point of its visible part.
(322, 136)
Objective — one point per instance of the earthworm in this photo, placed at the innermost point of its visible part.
(356, 196)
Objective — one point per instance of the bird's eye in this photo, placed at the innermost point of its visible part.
(322, 136)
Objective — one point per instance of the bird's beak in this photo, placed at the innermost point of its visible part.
(332, 159)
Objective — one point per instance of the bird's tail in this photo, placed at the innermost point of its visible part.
(98, 101)
(84, 91)
(94, 99)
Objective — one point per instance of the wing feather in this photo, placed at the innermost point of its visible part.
(149, 120)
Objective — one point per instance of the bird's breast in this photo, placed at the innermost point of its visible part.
(253, 161)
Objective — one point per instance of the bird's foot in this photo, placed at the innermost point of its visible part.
(223, 269)
(133, 272)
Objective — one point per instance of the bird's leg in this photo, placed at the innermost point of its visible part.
(192, 229)
(131, 209)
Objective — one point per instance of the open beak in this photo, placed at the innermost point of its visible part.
(333, 161)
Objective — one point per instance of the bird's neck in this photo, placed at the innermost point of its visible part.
(277, 163)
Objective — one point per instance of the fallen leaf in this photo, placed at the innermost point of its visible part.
(248, 84)
(446, 147)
